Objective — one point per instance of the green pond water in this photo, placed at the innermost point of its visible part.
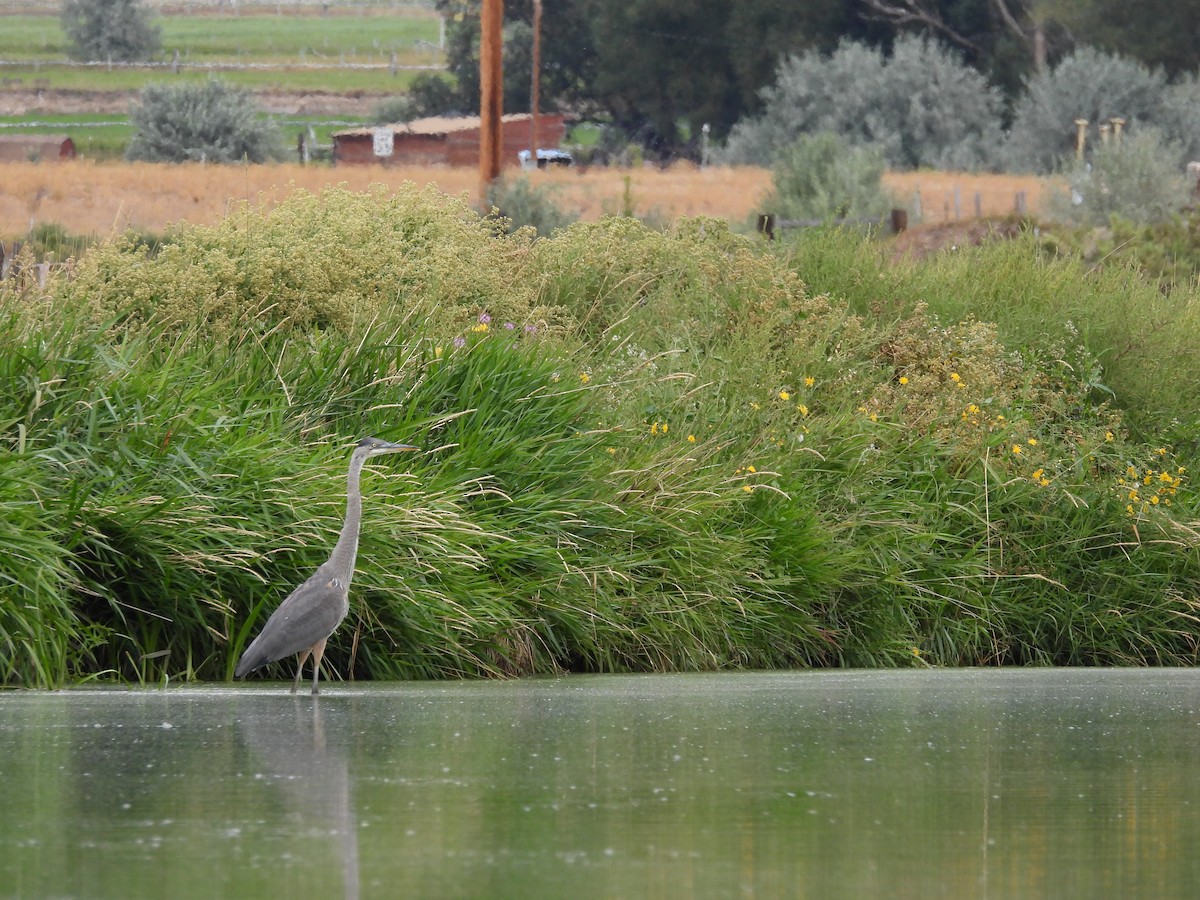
(961, 784)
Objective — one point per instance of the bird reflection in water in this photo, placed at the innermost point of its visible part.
(312, 775)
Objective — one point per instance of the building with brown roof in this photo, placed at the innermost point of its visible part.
(35, 147)
(441, 141)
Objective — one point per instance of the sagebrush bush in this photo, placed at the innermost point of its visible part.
(110, 30)
(922, 106)
(210, 121)
(1096, 86)
(1137, 179)
(820, 177)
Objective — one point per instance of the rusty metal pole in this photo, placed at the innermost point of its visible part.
(533, 87)
(491, 83)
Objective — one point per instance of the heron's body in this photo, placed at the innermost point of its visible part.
(309, 614)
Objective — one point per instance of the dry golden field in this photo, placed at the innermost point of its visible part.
(105, 198)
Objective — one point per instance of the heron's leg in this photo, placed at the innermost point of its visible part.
(301, 657)
(318, 650)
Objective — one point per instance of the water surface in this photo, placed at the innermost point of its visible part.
(977, 783)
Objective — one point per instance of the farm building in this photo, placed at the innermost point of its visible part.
(36, 147)
(441, 141)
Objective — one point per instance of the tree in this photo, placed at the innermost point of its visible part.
(1157, 32)
(210, 121)
(657, 69)
(1090, 85)
(972, 25)
(110, 30)
(922, 106)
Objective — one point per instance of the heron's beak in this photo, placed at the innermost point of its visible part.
(395, 448)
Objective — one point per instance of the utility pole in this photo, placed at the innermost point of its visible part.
(533, 88)
(491, 84)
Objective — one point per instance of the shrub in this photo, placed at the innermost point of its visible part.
(1138, 179)
(110, 30)
(1089, 84)
(401, 108)
(333, 260)
(820, 177)
(211, 121)
(922, 106)
(521, 204)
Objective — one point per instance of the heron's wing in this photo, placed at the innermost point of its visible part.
(308, 614)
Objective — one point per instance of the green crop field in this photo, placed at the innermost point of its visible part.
(120, 79)
(259, 38)
(294, 52)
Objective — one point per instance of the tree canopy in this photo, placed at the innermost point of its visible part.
(110, 30)
(661, 69)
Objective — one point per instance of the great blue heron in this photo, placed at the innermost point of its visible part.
(309, 614)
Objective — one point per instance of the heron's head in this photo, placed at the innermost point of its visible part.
(376, 446)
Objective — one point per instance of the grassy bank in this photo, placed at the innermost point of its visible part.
(641, 451)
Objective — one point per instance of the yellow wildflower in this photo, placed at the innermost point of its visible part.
(803, 409)
(784, 395)
(904, 379)
(691, 439)
(584, 377)
(809, 382)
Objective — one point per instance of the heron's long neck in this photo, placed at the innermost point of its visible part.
(346, 548)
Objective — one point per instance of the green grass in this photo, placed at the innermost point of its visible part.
(98, 78)
(95, 136)
(102, 137)
(257, 38)
(1134, 329)
(643, 450)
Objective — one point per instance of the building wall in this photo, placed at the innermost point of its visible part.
(456, 148)
(22, 148)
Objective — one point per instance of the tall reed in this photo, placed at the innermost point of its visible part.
(642, 450)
